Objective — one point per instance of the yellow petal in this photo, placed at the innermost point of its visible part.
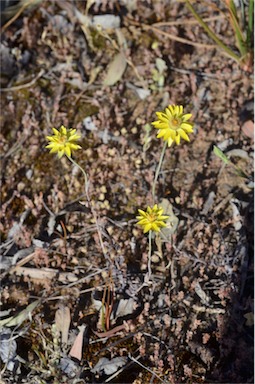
(169, 114)
(173, 133)
(54, 150)
(56, 132)
(68, 151)
(164, 217)
(60, 154)
(177, 138)
(63, 130)
(147, 228)
(188, 127)
(183, 134)
(170, 142)
(164, 119)
(160, 134)
(156, 124)
(187, 116)
(155, 227)
(49, 145)
(172, 109)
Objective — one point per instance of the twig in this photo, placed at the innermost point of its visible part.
(186, 22)
(173, 37)
(180, 39)
(26, 85)
(198, 308)
(111, 332)
(86, 278)
(146, 368)
(24, 6)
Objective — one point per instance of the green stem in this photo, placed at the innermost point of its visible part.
(149, 255)
(83, 172)
(239, 171)
(157, 171)
(212, 34)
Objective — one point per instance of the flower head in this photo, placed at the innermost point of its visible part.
(63, 142)
(173, 124)
(152, 219)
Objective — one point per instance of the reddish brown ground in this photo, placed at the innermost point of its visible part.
(194, 322)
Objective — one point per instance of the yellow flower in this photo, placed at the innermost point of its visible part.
(152, 219)
(63, 142)
(173, 124)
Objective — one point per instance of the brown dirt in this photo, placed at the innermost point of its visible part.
(194, 322)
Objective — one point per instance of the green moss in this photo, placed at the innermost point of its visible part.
(99, 42)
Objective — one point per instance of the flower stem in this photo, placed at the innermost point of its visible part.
(149, 255)
(86, 186)
(157, 171)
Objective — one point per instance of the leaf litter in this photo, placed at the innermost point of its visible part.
(194, 323)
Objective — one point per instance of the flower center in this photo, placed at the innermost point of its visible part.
(63, 140)
(152, 218)
(174, 123)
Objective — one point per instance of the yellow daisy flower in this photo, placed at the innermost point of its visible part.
(173, 124)
(152, 219)
(63, 142)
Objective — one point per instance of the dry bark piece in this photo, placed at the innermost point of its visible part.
(76, 350)
(46, 273)
(63, 320)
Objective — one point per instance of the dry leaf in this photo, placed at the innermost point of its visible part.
(76, 350)
(20, 317)
(115, 69)
(125, 307)
(63, 320)
(109, 366)
(201, 293)
(69, 367)
(249, 319)
(106, 21)
(8, 348)
(46, 274)
(172, 222)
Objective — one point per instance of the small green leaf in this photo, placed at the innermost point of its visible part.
(220, 154)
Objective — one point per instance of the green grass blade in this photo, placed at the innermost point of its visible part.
(227, 50)
(250, 24)
(240, 39)
(220, 154)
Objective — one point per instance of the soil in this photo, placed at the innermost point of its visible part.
(74, 280)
